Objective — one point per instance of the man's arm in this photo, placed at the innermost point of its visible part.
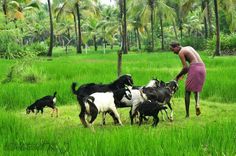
(185, 66)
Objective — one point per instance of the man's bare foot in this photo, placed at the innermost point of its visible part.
(198, 112)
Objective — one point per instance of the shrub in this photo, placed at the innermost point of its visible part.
(195, 42)
(24, 71)
(227, 44)
(37, 47)
(10, 41)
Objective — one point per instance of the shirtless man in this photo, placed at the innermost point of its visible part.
(195, 70)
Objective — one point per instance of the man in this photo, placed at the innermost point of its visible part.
(196, 73)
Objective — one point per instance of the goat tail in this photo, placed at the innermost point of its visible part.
(73, 88)
(55, 93)
(90, 101)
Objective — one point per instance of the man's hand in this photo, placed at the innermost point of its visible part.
(181, 78)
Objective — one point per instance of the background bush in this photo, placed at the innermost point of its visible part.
(227, 44)
(195, 42)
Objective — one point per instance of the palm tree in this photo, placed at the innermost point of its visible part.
(125, 49)
(165, 12)
(209, 18)
(78, 9)
(51, 30)
(217, 51)
(79, 50)
(205, 20)
(109, 24)
(151, 4)
(123, 28)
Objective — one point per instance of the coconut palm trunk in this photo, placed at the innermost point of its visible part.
(79, 42)
(119, 63)
(175, 31)
(152, 6)
(95, 42)
(162, 33)
(209, 18)
(125, 47)
(205, 20)
(138, 39)
(217, 51)
(51, 30)
(4, 8)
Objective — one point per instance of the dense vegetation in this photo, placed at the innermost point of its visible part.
(140, 25)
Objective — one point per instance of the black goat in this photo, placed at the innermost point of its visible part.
(39, 104)
(149, 108)
(162, 95)
(87, 89)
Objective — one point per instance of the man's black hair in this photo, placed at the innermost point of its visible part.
(174, 44)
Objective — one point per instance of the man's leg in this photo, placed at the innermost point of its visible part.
(187, 102)
(197, 100)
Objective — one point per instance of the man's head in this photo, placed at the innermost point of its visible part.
(175, 47)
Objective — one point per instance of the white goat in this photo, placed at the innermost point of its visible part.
(105, 102)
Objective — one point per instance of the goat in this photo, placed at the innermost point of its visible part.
(88, 89)
(138, 96)
(162, 95)
(149, 108)
(105, 102)
(39, 104)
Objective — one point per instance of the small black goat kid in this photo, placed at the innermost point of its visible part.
(39, 104)
(162, 95)
(88, 89)
(149, 108)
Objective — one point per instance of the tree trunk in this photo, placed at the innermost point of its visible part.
(79, 50)
(51, 30)
(205, 20)
(4, 8)
(138, 38)
(119, 64)
(217, 52)
(174, 27)
(76, 32)
(121, 26)
(95, 43)
(181, 29)
(125, 49)
(152, 24)
(162, 34)
(209, 18)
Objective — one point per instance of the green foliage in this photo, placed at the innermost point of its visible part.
(37, 48)
(10, 41)
(24, 71)
(196, 42)
(227, 44)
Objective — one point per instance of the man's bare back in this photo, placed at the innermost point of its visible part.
(190, 55)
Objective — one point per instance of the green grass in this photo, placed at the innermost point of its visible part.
(212, 133)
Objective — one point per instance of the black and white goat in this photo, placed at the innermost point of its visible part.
(39, 105)
(105, 102)
(149, 108)
(138, 96)
(88, 89)
(162, 95)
